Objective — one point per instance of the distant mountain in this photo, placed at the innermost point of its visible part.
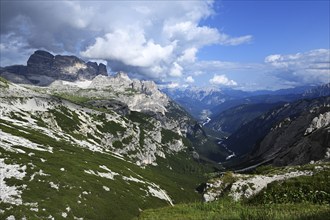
(267, 98)
(232, 114)
(294, 133)
(43, 68)
(233, 118)
(319, 91)
(197, 101)
(202, 102)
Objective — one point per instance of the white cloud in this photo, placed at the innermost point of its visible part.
(173, 85)
(129, 47)
(309, 67)
(225, 39)
(273, 58)
(222, 80)
(190, 33)
(188, 55)
(176, 70)
(189, 79)
(98, 61)
(199, 36)
(154, 39)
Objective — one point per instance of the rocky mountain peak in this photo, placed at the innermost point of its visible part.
(122, 75)
(43, 68)
(41, 54)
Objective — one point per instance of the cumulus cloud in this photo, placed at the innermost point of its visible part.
(176, 70)
(157, 40)
(188, 55)
(222, 80)
(189, 79)
(129, 47)
(172, 85)
(309, 67)
(190, 33)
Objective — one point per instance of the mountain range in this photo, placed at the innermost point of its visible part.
(78, 143)
(110, 143)
(209, 102)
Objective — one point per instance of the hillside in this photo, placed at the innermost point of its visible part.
(255, 131)
(73, 138)
(232, 119)
(115, 151)
(300, 192)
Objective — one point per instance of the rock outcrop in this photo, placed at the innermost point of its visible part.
(43, 68)
(322, 120)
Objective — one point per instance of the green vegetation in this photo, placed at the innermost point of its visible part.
(130, 91)
(226, 209)
(304, 197)
(39, 121)
(17, 117)
(75, 183)
(108, 126)
(127, 140)
(117, 144)
(143, 123)
(84, 193)
(141, 138)
(72, 98)
(169, 136)
(66, 119)
(313, 189)
(140, 118)
(3, 82)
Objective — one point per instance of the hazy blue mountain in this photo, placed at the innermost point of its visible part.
(202, 102)
(294, 133)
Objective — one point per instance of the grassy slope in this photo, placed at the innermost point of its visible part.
(124, 199)
(178, 175)
(225, 209)
(305, 197)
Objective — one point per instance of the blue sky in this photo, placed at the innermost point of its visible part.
(284, 27)
(247, 45)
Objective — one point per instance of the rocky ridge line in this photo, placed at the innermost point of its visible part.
(43, 68)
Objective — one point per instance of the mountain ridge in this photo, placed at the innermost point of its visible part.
(43, 68)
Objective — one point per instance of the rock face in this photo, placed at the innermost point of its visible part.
(43, 68)
(322, 120)
(149, 124)
(244, 186)
(103, 125)
(141, 96)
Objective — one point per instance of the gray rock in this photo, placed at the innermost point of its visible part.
(43, 68)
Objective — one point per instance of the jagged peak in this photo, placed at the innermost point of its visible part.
(43, 68)
(122, 75)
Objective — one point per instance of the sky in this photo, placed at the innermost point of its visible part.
(248, 45)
